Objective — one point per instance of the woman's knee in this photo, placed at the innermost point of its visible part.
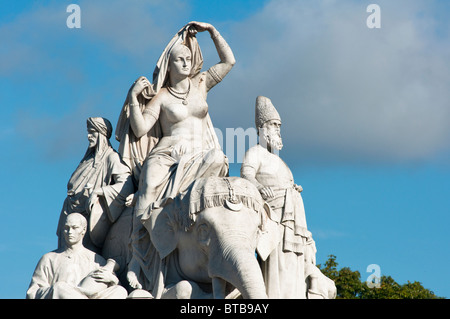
(216, 157)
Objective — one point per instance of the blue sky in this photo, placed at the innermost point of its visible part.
(365, 114)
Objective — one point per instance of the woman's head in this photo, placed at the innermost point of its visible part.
(180, 61)
(182, 40)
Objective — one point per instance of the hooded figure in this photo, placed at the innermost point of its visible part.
(100, 175)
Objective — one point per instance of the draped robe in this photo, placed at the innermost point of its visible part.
(180, 171)
(103, 168)
(70, 268)
(284, 270)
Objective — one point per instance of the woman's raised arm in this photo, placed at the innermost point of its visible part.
(217, 72)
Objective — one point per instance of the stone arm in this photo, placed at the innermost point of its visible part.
(141, 121)
(104, 276)
(116, 193)
(217, 72)
(249, 173)
(40, 282)
(249, 170)
(250, 167)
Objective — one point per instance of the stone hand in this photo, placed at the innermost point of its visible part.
(105, 276)
(267, 192)
(133, 281)
(93, 198)
(139, 86)
(195, 27)
(133, 269)
(298, 188)
(130, 200)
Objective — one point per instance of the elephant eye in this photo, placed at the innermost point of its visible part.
(203, 232)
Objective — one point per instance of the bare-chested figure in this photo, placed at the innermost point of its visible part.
(187, 147)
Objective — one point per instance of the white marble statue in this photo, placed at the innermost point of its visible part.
(286, 270)
(74, 272)
(167, 137)
(98, 187)
(162, 218)
(206, 240)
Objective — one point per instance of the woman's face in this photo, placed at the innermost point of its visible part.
(92, 137)
(180, 60)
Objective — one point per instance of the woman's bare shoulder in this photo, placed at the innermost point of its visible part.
(199, 79)
(159, 98)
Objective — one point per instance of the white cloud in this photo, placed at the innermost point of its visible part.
(135, 28)
(345, 92)
(39, 40)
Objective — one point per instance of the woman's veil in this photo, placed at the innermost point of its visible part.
(135, 150)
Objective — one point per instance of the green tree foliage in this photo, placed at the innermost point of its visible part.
(350, 286)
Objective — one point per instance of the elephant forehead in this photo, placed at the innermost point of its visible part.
(223, 215)
(221, 185)
(230, 223)
(214, 191)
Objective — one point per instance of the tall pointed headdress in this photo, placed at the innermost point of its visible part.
(265, 111)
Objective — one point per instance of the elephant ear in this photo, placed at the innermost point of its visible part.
(163, 230)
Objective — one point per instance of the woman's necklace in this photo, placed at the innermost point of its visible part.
(180, 95)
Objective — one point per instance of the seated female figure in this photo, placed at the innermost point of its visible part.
(188, 148)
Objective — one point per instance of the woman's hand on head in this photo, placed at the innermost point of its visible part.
(199, 27)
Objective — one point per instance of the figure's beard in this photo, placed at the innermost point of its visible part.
(274, 140)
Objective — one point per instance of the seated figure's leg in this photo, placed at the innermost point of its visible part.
(62, 290)
(214, 163)
(113, 292)
(155, 173)
(152, 177)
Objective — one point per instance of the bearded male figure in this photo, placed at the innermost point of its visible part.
(289, 271)
(98, 186)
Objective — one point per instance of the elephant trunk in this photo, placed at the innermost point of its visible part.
(242, 270)
(250, 281)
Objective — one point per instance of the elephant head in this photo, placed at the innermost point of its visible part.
(214, 231)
